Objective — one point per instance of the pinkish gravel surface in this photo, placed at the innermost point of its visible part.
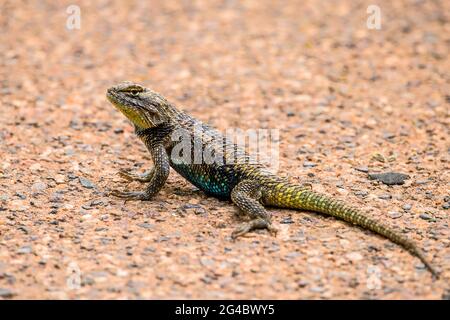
(342, 96)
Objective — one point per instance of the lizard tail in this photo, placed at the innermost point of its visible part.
(285, 195)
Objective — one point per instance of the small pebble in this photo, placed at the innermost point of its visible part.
(426, 216)
(378, 157)
(309, 164)
(59, 178)
(86, 217)
(24, 250)
(354, 256)
(422, 181)
(287, 220)
(362, 169)
(446, 295)
(146, 225)
(162, 239)
(388, 135)
(407, 207)
(86, 183)
(361, 193)
(6, 293)
(35, 167)
(395, 214)
(21, 195)
(317, 289)
(38, 187)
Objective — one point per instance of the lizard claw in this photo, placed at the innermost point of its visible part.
(240, 231)
(129, 195)
(252, 225)
(127, 175)
(273, 231)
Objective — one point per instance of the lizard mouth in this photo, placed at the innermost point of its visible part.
(131, 112)
(115, 100)
(111, 96)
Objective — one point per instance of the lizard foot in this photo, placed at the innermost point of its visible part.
(257, 223)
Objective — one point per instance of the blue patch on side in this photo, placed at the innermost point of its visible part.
(215, 181)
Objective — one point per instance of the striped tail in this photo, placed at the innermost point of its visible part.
(286, 195)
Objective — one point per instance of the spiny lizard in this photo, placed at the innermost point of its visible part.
(250, 186)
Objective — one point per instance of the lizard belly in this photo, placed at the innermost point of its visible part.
(212, 180)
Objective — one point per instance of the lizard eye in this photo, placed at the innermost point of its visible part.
(134, 92)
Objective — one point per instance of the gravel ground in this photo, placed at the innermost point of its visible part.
(345, 98)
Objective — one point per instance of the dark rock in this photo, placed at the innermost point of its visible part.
(362, 169)
(389, 178)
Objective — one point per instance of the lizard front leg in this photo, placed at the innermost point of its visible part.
(246, 196)
(156, 178)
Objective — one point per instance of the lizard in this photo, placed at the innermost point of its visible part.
(231, 175)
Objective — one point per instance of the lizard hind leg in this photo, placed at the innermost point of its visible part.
(246, 195)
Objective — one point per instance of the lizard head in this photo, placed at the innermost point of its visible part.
(142, 106)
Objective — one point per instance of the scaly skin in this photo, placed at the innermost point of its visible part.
(250, 187)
